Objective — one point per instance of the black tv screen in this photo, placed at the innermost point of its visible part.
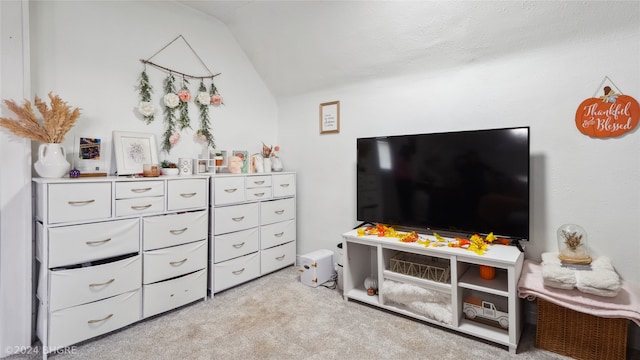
(464, 182)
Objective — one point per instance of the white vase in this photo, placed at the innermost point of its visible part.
(276, 164)
(52, 161)
(266, 164)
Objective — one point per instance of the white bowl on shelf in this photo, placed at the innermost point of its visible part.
(170, 171)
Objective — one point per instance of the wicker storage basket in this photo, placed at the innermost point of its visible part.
(578, 335)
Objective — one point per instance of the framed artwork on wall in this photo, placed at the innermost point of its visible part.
(133, 150)
(88, 154)
(330, 117)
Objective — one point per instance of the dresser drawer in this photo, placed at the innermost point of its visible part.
(233, 218)
(82, 243)
(277, 233)
(258, 181)
(277, 210)
(277, 257)
(138, 206)
(284, 185)
(186, 194)
(76, 202)
(236, 271)
(228, 190)
(262, 193)
(136, 189)
(170, 262)
(169, 230)
(72, 325)
(82, 285)
(170, 294)
(235, 244)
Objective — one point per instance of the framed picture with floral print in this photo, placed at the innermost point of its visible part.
(133, 150)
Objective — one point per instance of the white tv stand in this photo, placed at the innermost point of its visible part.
(370, 256)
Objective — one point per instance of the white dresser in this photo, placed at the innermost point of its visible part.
(253, 227)
(111, 251)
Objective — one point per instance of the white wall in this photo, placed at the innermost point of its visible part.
(89, 52)
(574, 178)
(15, 186)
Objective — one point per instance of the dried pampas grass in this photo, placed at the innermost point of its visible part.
(57, 119)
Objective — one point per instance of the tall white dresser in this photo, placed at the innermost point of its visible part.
(111, 251)
(253, 226)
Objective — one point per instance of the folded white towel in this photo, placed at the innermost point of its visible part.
(558, 277)
(554, 275)
(601, 280)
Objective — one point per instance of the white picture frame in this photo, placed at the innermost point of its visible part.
(133, 150)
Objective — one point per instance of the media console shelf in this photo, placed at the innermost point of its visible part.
(449, 275)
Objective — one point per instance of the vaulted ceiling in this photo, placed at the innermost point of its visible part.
(302, 46)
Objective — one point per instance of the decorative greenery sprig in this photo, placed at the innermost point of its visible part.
(203, 101)
(57, 120)
(171, 101)
(145, 107)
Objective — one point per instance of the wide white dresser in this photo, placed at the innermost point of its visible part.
(253, 226)
(111, 251)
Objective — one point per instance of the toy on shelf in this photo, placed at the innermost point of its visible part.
(486, 312)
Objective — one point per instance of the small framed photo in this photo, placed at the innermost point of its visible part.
(89, 154)
(133, 150)
(330, 117)
(244, 155)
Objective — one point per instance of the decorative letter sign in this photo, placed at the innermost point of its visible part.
(611, 115)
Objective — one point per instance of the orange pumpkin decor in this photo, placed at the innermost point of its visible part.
(610, 115)
(487, 272)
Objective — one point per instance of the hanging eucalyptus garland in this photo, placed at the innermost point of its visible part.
(204, 135)
(171, 101)
(185, 95)
(145, 107)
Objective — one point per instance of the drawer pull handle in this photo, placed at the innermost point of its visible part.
(230, 190)
(82, 202)
(259, 182)
(178, 263)
(140, 207)
(99, 320)
(238, 246)
(239, 218)
(280, 258)
(238, 272)
(188, 195)
(260, 194)
(279, 212)
(279, 234)
(140, 190)
(178, 232)
(97, 242)
(102, 284)
(284, 185)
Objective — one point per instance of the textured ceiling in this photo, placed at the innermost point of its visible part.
(302, 46)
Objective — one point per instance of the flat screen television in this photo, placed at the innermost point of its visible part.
(462, 182)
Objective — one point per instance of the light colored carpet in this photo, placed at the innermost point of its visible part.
(277, 317)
